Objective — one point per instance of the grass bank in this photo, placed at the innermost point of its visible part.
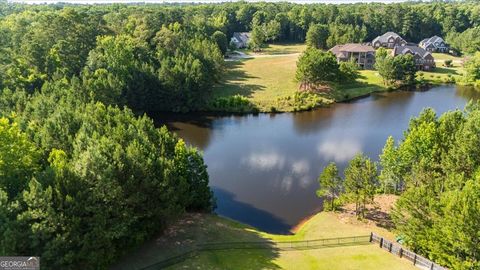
(201, 228)
(265, 82)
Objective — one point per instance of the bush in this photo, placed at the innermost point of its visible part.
(447, 63)
(348, 71)
(236, 103)
(449, 79)
(301, 101)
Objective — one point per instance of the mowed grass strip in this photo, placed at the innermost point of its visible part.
(262, 80)
(204, 228)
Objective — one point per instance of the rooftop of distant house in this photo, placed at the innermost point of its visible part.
(410, 49)
(352, 47)
(386, 36)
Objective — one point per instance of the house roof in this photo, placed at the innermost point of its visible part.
(415, 50)
(431, 40)
(242, 36)
(384, 38)
(351, 47)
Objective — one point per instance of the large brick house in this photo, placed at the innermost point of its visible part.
(388, 40)
(423, 59)
(434, 44)
(363, 55)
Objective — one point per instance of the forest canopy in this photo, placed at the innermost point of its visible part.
(85, 175)
(168, 57)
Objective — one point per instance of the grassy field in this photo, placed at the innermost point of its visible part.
(444, 56)
(262, 80)
(368, 82)
(282, 48)
(201, 228)
(267, 79)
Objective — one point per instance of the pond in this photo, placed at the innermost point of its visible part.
(264, 168)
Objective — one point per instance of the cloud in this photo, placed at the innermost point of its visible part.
(290, 172)
(265, 161)
(301, 172)
(286, 183)
(339, 150)
(300, 167)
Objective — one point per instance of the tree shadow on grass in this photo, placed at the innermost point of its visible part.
(350, 91)
(445, 70)
(194, 230)
(236, 81)
(381, 218)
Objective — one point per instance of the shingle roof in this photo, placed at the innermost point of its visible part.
(384, 38)
(431, 40)
(410, 49)
(352, 47)
(242, 36)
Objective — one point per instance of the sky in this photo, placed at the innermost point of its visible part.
(201, 1)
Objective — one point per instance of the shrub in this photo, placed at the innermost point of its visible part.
(236, 103)
(348, 71)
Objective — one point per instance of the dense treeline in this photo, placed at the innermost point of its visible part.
(82, 180)
(167, 57)
(82, 183)
(435, 170)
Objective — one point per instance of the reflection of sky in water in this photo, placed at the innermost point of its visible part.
(295, 171)
(267, 166)
(339, 150)
(265, 161)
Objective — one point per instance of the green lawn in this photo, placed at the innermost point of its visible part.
(444, 56)
(442, 74)
(369, 81)
(268, 79)
(201, 228)
(260, 79)
(283, 48)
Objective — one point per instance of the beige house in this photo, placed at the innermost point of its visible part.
(363, 55)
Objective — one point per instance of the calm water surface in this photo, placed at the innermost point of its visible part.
(264, 168)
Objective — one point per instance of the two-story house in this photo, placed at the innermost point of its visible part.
(423, 59)
(434, 44)
(388, 40)
(363, 55)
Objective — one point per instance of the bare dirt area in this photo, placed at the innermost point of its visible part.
(377, 213)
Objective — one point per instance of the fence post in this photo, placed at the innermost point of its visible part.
(401, 252)
(415, 259)
(390, 248)
(381, 242)
(371, 237)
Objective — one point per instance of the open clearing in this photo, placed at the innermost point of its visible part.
(202, 228)
(262, 80)
(269, 76)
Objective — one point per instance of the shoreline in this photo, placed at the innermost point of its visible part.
(295, 229)
(420, 88)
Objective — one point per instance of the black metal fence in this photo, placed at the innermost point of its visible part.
(398, 250)
(275, 245)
